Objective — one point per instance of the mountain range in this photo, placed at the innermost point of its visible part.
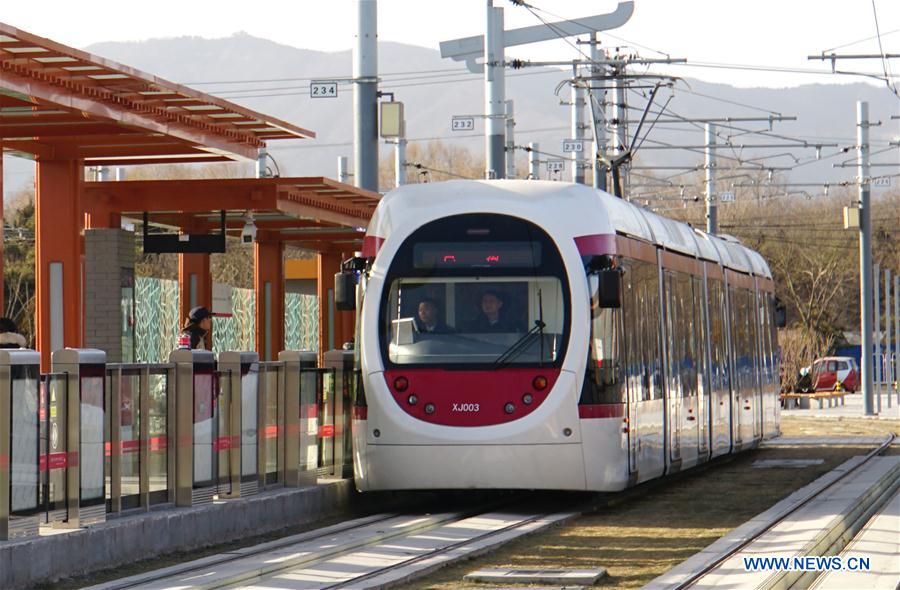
(432, 95)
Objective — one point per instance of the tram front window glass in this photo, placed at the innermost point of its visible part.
(474, 320)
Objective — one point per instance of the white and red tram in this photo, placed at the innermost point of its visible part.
(574, 341)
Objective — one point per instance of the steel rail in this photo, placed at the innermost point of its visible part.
(697, 576)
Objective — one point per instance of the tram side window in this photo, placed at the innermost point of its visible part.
(650, 326)
(719, 345)
(603, 383)
(700, 335)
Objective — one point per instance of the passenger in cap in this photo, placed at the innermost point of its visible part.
(197, 326)
(9, 334)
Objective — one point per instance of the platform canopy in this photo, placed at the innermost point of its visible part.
(57, 103)
(310, 212)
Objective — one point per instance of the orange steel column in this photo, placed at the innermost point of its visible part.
(335, 327)
(2, 280)
(268, 285)
(194, 287)
(58, 273)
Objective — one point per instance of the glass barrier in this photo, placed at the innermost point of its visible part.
(158, 435)
(24, 465)
(53, 449)
(270, 424)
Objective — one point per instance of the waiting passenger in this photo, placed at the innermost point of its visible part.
(428, 318)
(9, 334)
(492, 318)
(197, 327)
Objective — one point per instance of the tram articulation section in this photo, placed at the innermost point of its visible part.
(89, 439)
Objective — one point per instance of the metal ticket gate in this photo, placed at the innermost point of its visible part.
(202, 415)
(19, 443)
(80, 421)
(336, 456)
(302, 384)
(240, 452)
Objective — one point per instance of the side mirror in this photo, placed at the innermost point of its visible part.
(609, 288)
(780, 314)
(345, 290)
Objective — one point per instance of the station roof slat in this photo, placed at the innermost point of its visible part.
(311, 212)
(39, 75)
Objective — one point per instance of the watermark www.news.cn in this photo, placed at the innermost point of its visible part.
(833, 563)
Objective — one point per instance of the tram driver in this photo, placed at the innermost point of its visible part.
(428, 318)
(492, 318)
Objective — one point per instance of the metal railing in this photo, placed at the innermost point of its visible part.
(171, 437)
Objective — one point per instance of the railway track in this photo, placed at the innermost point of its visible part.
(364, 553)
(384, 549)
(829, 543)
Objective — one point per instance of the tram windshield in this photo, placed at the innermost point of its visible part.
(484, 290)
(475, 320)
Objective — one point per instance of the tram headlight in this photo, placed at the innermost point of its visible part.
(429, 408)
(527, 399)
(413, 399)
(401, 384)
(509, 408)
(539, 383)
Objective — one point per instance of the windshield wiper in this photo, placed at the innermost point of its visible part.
(520, 345)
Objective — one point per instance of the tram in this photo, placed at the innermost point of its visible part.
(546, 335)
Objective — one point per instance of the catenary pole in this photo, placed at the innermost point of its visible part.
(577, 126)
(897, 335)
(888, 364)
(865, 255)
(598, 98)
(400, 161)
(494, 94)
(534, 161)
(510, 141)
(342, 171)
(876, 301)
(365, 96)
(712, 214)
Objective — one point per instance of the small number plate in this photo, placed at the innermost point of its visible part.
(462, 124)
(323, 90)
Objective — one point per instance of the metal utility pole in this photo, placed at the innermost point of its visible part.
(618, 140)
(261, 157)
(712, 214)
(400, 161)
(510, 141)
(494, 94)
(878, 364)
(342, 170)
(534, 161)
(897, 335)
(865, 254)
(365, 96)
(888, 365)
(577, 126)
(598, 98)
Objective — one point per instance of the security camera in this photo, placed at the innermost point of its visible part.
(248, 233)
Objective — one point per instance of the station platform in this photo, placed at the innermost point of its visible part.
(816, 520)
(144, 535)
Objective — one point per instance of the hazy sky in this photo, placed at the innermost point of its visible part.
(778, 33)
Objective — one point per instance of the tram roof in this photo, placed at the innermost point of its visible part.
(622, 216)
(58, 102)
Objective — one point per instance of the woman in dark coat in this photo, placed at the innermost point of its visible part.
(197, 327)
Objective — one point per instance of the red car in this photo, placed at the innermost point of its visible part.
(834, 372)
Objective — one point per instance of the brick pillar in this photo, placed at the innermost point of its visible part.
(108, 273)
